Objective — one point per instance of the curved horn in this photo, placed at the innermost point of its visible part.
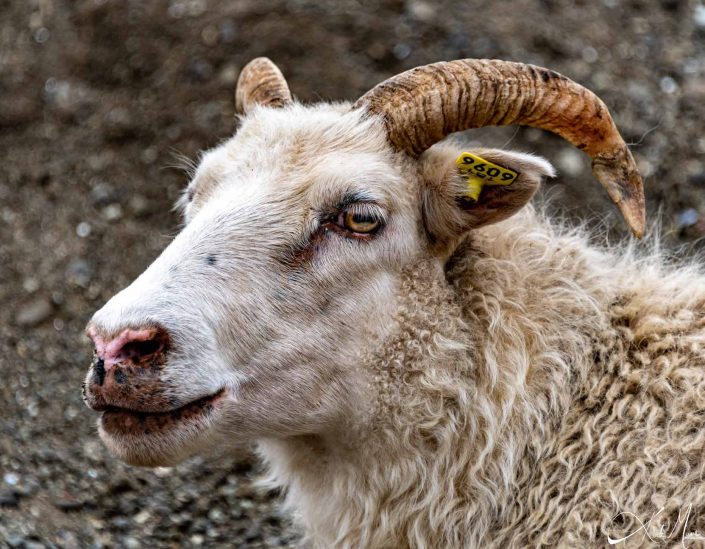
(421, 106)
(260, 83)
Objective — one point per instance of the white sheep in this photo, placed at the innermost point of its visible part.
(422, 359)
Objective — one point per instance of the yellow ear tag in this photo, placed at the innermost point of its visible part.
(481, 172)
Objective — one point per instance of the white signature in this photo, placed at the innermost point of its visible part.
(662, 532)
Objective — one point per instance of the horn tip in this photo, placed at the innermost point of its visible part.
(635, 217)
(618, 174)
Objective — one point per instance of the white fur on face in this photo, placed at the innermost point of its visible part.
(258, 299)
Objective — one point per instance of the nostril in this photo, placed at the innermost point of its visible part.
(99, 372)
(134, 345)
(133, 350)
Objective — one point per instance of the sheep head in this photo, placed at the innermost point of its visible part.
(253, 322)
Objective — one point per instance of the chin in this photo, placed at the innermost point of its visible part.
(161, 439)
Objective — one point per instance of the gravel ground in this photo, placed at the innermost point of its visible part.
(97, 98)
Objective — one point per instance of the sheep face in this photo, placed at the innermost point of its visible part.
(285, 269)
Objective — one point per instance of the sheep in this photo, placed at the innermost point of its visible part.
(421, 357)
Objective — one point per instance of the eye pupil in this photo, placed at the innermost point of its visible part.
(360, 218)
(358, 222)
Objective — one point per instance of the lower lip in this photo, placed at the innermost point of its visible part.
(126, 422)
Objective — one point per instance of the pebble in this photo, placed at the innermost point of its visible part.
(41, 35)
(79, 272)
(34, 312)
(227, 31)
(102, 193)
(590, 55)
(119, 123)
(120, 523)
(200, 69)
(30, 285)
(401, 51)
(9, 498)
(246, 504)
(92, 450)
(646, 168)
(687, 217)
(142, 517)
(70, 414)
(423, 11)
(68, 539)
(139, 205)
(216, 515)
(83, 229)
(68, 503)
(112, 212)
(253, 533)
(228, 74)
(668, 85)
(14, 540)
(149, 155)
(210, 35)
(699, 15)
(69, 98)
(571, 162)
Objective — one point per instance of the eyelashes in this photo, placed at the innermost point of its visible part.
(359, 220)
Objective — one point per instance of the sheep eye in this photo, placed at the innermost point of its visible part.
(359, 222)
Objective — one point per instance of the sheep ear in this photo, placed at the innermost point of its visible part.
(453, 205)
(261, 83)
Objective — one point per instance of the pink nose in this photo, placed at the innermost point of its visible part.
(130, 345)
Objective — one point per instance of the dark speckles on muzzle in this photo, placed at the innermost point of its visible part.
(121, 377)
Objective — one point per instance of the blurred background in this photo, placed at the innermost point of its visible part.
(99, 98)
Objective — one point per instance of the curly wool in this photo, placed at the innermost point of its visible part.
(537, 391)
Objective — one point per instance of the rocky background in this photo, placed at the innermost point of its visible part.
(99, 98)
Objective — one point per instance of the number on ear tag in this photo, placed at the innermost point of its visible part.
(481, 172)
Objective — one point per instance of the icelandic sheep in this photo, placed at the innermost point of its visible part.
(418, 365)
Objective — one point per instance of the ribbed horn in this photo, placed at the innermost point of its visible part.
(260, 83)
(423, 105)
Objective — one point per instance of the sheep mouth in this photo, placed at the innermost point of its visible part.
(124, 421)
